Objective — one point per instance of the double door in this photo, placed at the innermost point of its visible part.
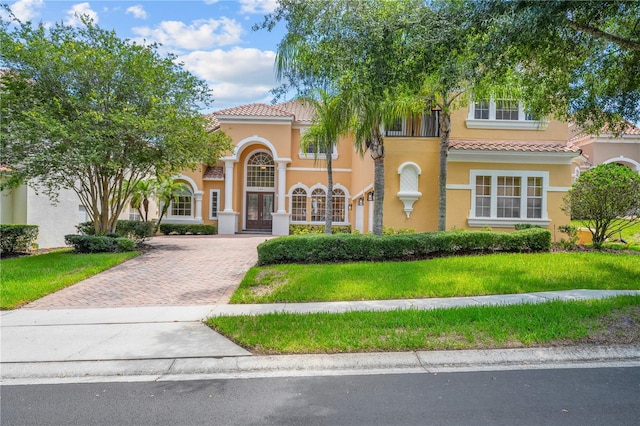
(259, 210)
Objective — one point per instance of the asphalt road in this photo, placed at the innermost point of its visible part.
(602, 396)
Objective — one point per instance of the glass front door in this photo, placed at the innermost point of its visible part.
(259, 209)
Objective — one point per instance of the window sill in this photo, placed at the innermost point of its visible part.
(319, 157)
(182, 220)
(504, 222)
(507, 124)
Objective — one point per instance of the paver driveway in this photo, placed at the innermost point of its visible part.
(179, 270)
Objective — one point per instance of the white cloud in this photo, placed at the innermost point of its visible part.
(258, 6)
(78, 10)
(137, 11)
(25, 10)
(236, 76)
(200, 34)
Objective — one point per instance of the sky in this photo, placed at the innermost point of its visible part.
(213, 38)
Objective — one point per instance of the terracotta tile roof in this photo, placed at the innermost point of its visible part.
(575, 132)
(519, 146)
(213, 172)
(300, 112)
(303, 112)
(5, 168)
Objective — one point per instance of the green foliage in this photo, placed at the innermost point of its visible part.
(521, 226)
(372, 248)
(606, 200)
(388, 230)
(572, 232)
(85, 110)
(169, 228)
(575, 59)
(133, 229)
(295, 229)
(99, 244)
(17, 238)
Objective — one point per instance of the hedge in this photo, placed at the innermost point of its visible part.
(358, 248)
(99, 243)
(17, 238)
(133, 229)
(170, 228)
(317, 229)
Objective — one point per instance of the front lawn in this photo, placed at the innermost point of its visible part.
(25, 279)
(441, 277)
(605, 322)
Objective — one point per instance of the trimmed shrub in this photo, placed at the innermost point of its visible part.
(299, 229)
(371, 248)
(133, 229)
(170, 228)
(99, 243)
(17, 238)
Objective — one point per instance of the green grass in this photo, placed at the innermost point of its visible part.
(442, 277)
(25, 279)
(630, 234)
(410, 330)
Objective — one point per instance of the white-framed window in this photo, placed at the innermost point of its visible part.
(299, 205)
(338, 205)
(214, 203)
(507, 197)
(261, 171)
(318, 204)
(134, 214)
(83, 215)
(182, 203)
(502, 114)
(310, 152)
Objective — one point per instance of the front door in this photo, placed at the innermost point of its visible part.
(259, 209)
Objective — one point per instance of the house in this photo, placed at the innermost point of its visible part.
(606, 147)
(504, 168)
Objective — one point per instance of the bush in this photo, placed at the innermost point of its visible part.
(317, 229)
(99, 243)
(521, 226)
(169, 228)
(358, 248)
(572, 232)
(133, 229)
(17, 238)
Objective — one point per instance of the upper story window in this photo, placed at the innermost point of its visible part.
(502, 114)
(260, 171)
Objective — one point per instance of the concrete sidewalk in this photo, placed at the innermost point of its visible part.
(166, 343)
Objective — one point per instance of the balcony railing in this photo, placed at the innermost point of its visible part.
(424, 126)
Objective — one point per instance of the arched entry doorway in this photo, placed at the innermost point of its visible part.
(260, 191)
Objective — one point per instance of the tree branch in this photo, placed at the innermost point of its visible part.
(598, 33)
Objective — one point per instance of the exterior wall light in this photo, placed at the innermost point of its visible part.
(361, 201)
(370, 196)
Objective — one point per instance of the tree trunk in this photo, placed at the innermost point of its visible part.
(445, 130)
(328, 215)
(377, 153)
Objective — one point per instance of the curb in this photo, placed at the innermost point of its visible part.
(320, 365)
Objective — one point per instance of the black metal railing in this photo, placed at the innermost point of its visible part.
(424, 126)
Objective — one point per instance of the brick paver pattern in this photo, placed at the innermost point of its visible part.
(178, 270)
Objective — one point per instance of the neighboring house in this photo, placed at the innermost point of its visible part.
(23, 205)
(504, 168)
(606, 148)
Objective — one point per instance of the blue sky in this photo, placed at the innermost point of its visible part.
(213, 38)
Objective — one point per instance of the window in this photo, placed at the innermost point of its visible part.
(397, 128)
(134, 214)
(318, 205)
(337, 205)
(299, 205)
(506, 109)
(83, 215)
(261, 171)
(502, 198)
(483, 196)
(311, 149)
(181, 204)
(214, 203)
(481, 110)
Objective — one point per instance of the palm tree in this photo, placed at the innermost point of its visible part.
(140, 195)
(167, 190)
(331, 120)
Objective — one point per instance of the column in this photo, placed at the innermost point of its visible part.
(198, 213)
(228, 185)
(282, 169)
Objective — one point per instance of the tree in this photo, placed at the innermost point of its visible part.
(357, 48)
(577, 60)
(167, 190)
(140, 195)
(605, 199)
(85, 110)
(331, 120)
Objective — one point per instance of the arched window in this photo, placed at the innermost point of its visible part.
(182, 204)
(261, 171)
(299, 205)
(318, 205)
(338, 205)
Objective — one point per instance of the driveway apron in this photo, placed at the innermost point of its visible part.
(178, 270)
